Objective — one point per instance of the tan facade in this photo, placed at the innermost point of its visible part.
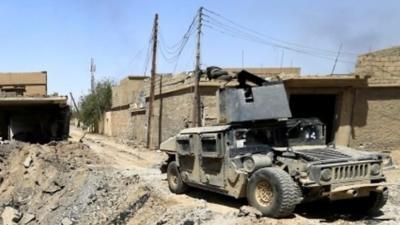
(360, 109)
(23, 84)
(383, 67)
(376, 115)
(376, 118)
(117, 122)
(127, 91)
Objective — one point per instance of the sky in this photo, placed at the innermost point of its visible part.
(61, 37)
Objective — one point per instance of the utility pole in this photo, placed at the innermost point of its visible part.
(92, 71)
(196, 120)
(152, 80)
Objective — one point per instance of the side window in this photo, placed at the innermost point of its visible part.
(209, 145)
(183, 144)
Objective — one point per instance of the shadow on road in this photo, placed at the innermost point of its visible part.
(328, 212)
(324, 210)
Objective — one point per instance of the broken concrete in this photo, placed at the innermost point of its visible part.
(28, 161)
(11, 216)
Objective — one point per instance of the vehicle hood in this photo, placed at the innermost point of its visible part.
(333, 154)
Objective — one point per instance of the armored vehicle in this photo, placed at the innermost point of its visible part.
(274, 161)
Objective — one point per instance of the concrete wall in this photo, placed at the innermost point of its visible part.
(376, 113)
(376, 119)
(382, 66)
(138, 126)
(176, 113)
(35, 83)
(120, 124)
(127, 91)
(107, 124)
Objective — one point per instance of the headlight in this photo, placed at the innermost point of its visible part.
(249, 165)
(326, 174)
(375, 169)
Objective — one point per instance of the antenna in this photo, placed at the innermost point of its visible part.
(92, 72)
(337, 57)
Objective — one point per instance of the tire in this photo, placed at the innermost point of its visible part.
(374, 202)
(273, 192)
(175, 183)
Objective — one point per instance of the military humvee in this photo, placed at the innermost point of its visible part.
(273, 161)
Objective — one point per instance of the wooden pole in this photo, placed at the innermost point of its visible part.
(196, 119)
(152, 81)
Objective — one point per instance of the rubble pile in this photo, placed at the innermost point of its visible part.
(62, 183)
(66, 183)
(70, 183)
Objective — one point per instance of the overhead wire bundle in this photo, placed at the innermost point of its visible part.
(226, 26)
(172, 53)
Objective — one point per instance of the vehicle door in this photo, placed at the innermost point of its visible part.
(186, 155)
(211, 159)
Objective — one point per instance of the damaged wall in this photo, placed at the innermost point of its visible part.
(382, 66)
(27, 113)
(34, 123)
(376, 113)
(376, 119)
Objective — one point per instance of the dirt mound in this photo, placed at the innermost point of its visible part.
(71, 183)
(63, 182)
(66, 183)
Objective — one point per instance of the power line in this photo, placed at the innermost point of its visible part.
(247, 38)
(147, 59)
(234, 32)
(171, 54)
(239, 31)
(273, 38)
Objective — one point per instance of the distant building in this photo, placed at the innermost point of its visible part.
(27, 113)
(23, 84)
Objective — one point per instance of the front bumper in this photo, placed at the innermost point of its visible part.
(355, 190)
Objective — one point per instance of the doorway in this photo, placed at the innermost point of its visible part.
(321, 106)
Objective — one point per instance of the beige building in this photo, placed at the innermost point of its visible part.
(27, 113)
(117, 120)
(359, 109)
(23, 84)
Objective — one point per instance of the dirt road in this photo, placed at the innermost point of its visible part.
(146, 163)
(107, 181)
(138, 159)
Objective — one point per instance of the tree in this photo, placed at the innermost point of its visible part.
(95, 104)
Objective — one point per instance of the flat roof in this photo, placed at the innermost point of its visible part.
(46, 100)
(327, 81)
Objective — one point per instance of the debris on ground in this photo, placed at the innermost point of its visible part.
(94, 182)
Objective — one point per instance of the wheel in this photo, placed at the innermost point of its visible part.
(273, 192)
(175, 183)
(374, 202)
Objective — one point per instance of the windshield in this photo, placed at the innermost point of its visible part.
(307, 134)
(299, 132)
